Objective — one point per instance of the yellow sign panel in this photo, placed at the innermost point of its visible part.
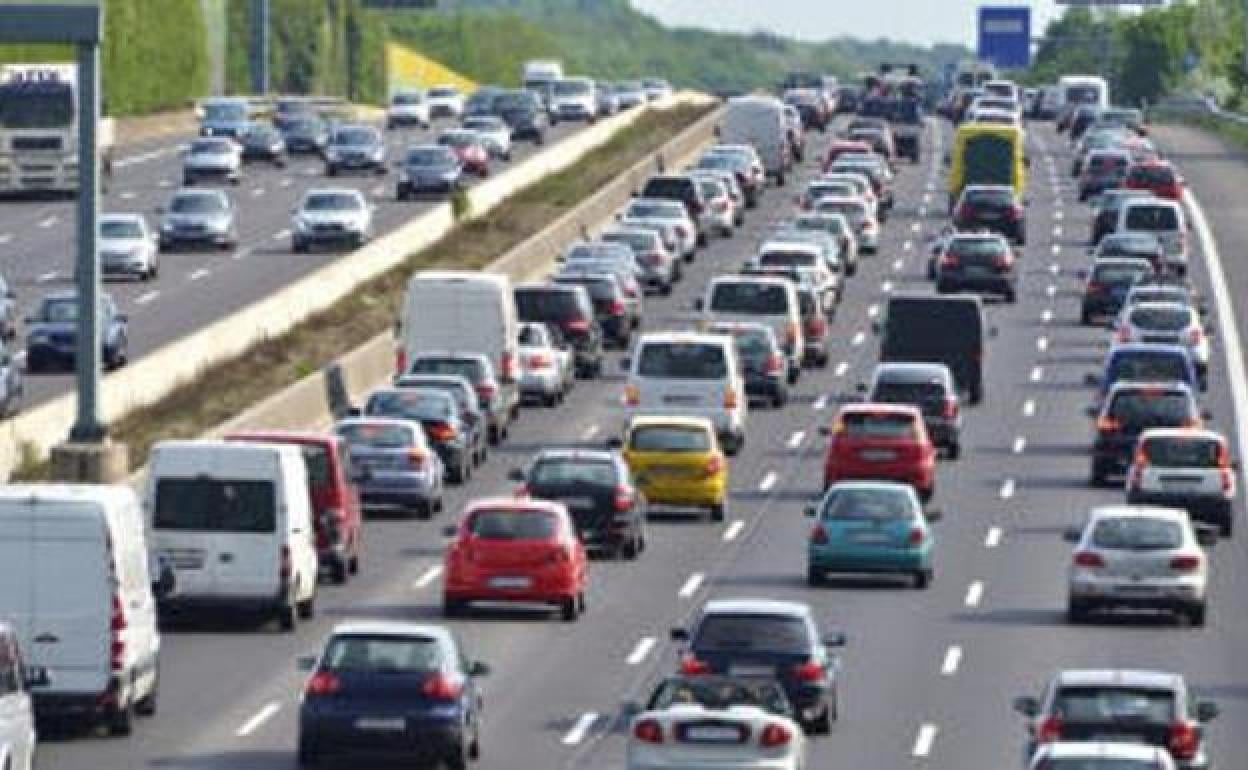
(408, 69)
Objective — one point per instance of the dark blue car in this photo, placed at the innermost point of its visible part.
(52, 333)
(1147, 362)
(391, 691)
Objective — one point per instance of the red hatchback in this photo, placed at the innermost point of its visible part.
(881, 441)
(516, 550)
(1158, 177)
(335, 498)
(470, 150)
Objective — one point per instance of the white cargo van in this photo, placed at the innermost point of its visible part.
(75, 586)
(759, 121)
(234, 520)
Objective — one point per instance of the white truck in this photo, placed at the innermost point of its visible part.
(39, 130)
(540, 76)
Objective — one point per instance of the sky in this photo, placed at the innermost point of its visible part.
(914, 21)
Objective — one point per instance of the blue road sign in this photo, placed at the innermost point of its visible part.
(1005, 36)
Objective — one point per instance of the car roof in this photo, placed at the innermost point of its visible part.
(892, 486)
(747, 606)
(427, 354)
(1117, 677)
(576, 453)
(392, 628)
(659, 421)
(875, 408)
(905, 371)
(450, 379)
(502, 502)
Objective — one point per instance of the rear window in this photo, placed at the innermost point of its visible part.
(542, 305)
(1115, 704)
(376, 435)
(513, 525)
(1108, 162)
(1000, 197)
(1184, 452)
(867, 505)
(1150, 367)
(354, 653)
(1168, 319)
(867, 425)
(467, 368)
(638, 242)
(1137, 534)
(1158, 175)
(915, 316)
(316, 458)
(668, 188)
(215, 505)
(720, 695)
(783, 258)
(662, 438)
(749, 297)
(752, 633)
(853, 211)
(977, 249)
(598, 288)
(683, 361)
(1158, 408)
(409, 404)
(924, 394)
(566, 471)
(1119, 274)
(1152, 218)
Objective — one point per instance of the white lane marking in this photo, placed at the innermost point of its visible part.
(579, 730)
(428, 576)
(379, 191)
(165, 183)
(1057, 214)
(873, 311)
(1051, 290)
(914, 228)
(820, 404)
(1042, 344)
(46, 277)
(796, 439)
(907, 246)
(143, 299)
(644, 645)
(256, 193)
(287, 182)
(1057, 231)
(974, 593)
(859, 338)
(198, 274)
(1057, 249)
(886, 287)
(1029, 407)
(128, 196)
(691, 585)
(281, 235)
(924, 740)
(734, 529)
(927, 197)
(841, 368)
(1007, 489)
(1037, 374)
(48, 222)
(768, 481)
(1046, 316)
(993, 538)
(897, 263)
(590, 432)
(263, 715)
(241, 254)
(1226, 325)
(1055, 268)
(5, 238)
(953, 657)
(1020, 444)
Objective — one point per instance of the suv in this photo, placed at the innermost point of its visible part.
(1128, 410)
(569, 309)
(1149, 707)
(608, 511)
(500, 401)
(686, 190)
(778, 639)
(930, 388)
(1188, 468)
(982, 263)
(996, 207)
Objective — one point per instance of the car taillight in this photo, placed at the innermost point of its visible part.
(1124, 334)
(1089, 560)
(951, 408)
(632, 395)
(560, 555)
(809, 672)
(441, 431)
(442, 687)
(118, 623)
(616, 308)
(790, 334)
(714, 466)
(1094, 288)
(486, 391)
(623, 500)
(1108, 424)
(1050, 730)
(578, 325)
(949, 260)
(540, 361)
(1228, 480)
(1195, 336)
(817, 326)
(648, 731)
(775, 735)
(691, 666)
(1185, 563)
(1014, 213)
(818, 535)
(400, 361)
(416, 458)
(323, 683)
(730, 398)
(916, 537)
(1003, 261)
(284, 566)
(507, 366)
(1184, 740)
(775, 363)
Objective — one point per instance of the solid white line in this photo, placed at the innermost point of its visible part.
(1020, 444)
(796, 439)
(924, 740)
(1029, 407)
(907, 246)
(820, 404)
(46, 223)
(859, 338)
(143, 299)
(644, 645)
(590, 432)
(953, 656)
(1037, 374)
(1057, 231)
(578, 731)
(768, 481)
(46, 277)
(281, 235)
(1058, 214)
(691, 585)
(5, 238)
(1007, 489)
(1042, 344)
(241, 254)
(198, 274)
(974, 593)
(841, 368)
(734, 529)
(993, 538)
(287, 182)
(263, 715)
(429, 575)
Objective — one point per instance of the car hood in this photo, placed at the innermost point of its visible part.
(332, 217)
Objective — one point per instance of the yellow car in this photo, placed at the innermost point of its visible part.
(677, 461)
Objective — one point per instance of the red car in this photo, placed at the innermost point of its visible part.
(881, 441)
(510, 549)
(470, 150)
(840, 147)
(1158, 177)
(335, 498)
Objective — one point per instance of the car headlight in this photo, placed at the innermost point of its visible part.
(219, 225)
(332, 153)
(166, 227)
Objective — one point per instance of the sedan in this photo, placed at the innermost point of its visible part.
(52, 333)
(931, 388)
(400, 690)
(469, 148)
(127, 247)
(996, 207)
(264, 143)
(870, 527)
(659, 268)
(355, 148)
(670, 212)
(397, 467)
(336, 216)
(1107, 285)
(198, 218)
(306, 134)
(494, 134)
(212, 158)
(547, 371)
(429, 169)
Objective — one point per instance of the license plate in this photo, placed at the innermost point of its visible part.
(668, 471)
(682, 399)
(751, 670)
(990, 216)
(1184, 481)
(1115, 738)
(869, 538)
(711, 734)
(392, 725)
(879, 455)
(511, 582)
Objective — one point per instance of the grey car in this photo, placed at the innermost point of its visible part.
(355, 148)
(332, 217)
(659, 267)
(469, 406)
(397, 467)
(212, 158)
(204, 218)
(429, 169)
(500, 400)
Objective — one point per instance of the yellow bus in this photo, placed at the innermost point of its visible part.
(987, 153)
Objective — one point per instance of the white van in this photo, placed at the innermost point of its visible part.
(1074, 90)
(759, 121)
(764, 299)
(75, 586)
(17, 715)
(461, 310)
(234, 520)
(687, 374)
(1162, 218)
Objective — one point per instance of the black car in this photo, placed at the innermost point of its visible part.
(779, 639)
(762, 360)
(993, 207)
(679, 188)
(522, 112)
(1107, 286)
(607, 297)
(264, 143)
(569, 309)
(391, 690)
(462, 391)
(481, 102)
(928, 386)
(1129, 409)
(438, 412)
(944, 329)
(52, 333)
(908, 128)
(306, 135)
(429, 169)
(978, 263)
(608, 510)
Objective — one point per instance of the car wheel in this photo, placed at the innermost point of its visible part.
(286, 615)
(629, 549)
(822, 724)
(307, 607)
(569, 609)
(305, 755)
(1196, 615)
(922, 579)
(1226, 525)
(717, 512)
(814, 577)
(453, 608)
(1099, 474)
(1011, 296)
(121, 720)
(338, 571)
(146, 706)
(1076, 611)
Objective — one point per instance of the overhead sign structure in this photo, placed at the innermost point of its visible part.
(1109, 3)
(1005, 36)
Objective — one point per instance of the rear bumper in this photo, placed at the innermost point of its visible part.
(1211, 509)
(881, 559)
(424, 739)
(692, 494)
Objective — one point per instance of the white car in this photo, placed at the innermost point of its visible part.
(1100, 755)
(17, 719)
(1188, 468)
(721, 210)
(445, 101)
(1166, 323)
(837, 226)
(128, 247)
(339, 216)
(574, 99)
(715, 722)
(1139, 557)
(547, 371)
(408, 108)
(212, 158)
(494, 134)
(671, 212)
(1164, 219)
(657, 88)
(858, 212)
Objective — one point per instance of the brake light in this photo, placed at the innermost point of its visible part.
(1089, 560)
(810, 672)
(1003, 261)
(949, 260)
(507, 366)
(616, 308)
(691, 666)
(442, 431)
(965, 211)
(486, 391)
(632, 395)
(1195, 336)
(442, 687)
(1184, 740)
(1108, 424)
(118, 623)
(951, 408)
(578, 325)
(623, 500)
(817, 327)
(775, 363)
(1014, 212)
(540, 361)
(1124, 334)
(1094, 288)
(819, 535)
(323, 683)
(1185, 563)
(648, 731)
(916, 537)
(1050, 730)
(790, 334)
(730, 398)
(775, 735)
(416, 458)
(714, 466)
(400, 361)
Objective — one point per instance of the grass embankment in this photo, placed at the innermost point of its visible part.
(228, 388)
(1228, 130)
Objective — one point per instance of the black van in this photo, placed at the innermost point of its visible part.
(948, 330)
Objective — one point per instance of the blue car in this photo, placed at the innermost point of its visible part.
(872, 527)
(52, 333)
(397, 467)
(391, 691)
(1147, 362)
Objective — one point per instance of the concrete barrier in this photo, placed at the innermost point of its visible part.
(152, 377)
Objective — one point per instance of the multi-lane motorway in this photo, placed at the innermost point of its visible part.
(928, 676)
(196, 288)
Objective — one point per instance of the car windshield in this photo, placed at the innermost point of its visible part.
(863, 504)
(977, 248)
(458, 139)
(430, 157)
(467, 368)
(514, 100)
(355, 137)
(716, 162)
(377, 435)
(1119, 274)
(382, 654)
(407, 100)
(409, 404)
(1115, 704)
(207, 504)
(548, 305)
(222, 113)
(749, 632)
(749, 297)
(1166, 319)
(520, 524)
(211, 147)
(879, 426)
(1156, 218)
(120, 228)
(637, 241)
(1150, 367)
(829, 224)
(717, 694)
(571, 88)
(683, 361)
(669, 438)
(61, 309)
(656, 210)
(1137, 533)
(196, 204)
(1159, 408)
(753, 345)
(566, 471)
(332, 202)
(481, 124)
(787, 258)
(930, 396)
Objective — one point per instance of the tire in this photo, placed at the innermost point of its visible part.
(779, 399)
(630, 549)
(814, 577)
(307, 607)
(453, 608)
(922, 579)
(1085, 318)
(1226, 525)
(338, 572)
(569, 608)
(286, 617)
(551, 401)
(306, 756)
(822, 724)
(146, 706)
(955, 450)
(1011, 297)
(717, 512)
(976, 394)
(1076, 612)
(120, 721)
(1098, 475)
(1196, 615)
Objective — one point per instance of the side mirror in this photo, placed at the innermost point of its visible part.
(1206, 535)
(1207, 711)
(477, 668)
(810, 512)
(450, 531)
(36, 676)
(305, 663)
(861, 388)
(1072, 534)
(615, 442)
(933, 516)
(679, 635)
(1026, 705)
(834, 640)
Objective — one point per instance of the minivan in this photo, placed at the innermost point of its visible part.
(948, 330)
(75, 587)
(769, 300)
(234, 520)
(689, 375)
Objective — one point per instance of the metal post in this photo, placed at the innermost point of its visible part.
(260, 46)
(88, 427)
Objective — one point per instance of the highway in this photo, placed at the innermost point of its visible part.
(196, 288)
(927, 676)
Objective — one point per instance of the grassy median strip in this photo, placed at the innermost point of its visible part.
(230, 387)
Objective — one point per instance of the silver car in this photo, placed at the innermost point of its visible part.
(1139, 557)
(1188, 468)
(547, 371)
(398, 467)
(333, 216)
(660, 269)
(127, 247)
(494, 133)
(212, 158)
(673, 213)
(198, 218)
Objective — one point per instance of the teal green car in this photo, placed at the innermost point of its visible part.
(872, 527)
